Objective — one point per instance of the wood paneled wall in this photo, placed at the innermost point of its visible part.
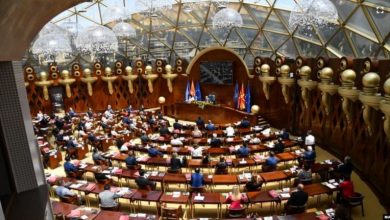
(370, 154)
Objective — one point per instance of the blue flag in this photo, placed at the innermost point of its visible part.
(198, 94)
(187, 93)
(248, 99)
(235, 97)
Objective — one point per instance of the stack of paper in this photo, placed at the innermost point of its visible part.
(75, 186)
(284, 195)
(176, 194)
(199, 198)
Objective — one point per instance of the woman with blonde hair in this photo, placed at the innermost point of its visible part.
(235, 198)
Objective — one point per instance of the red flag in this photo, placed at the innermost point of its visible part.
(192, 90)
(241, 98)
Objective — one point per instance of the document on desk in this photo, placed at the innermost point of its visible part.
(176, 194)
(284, 195)
(199, 198)
(268, 218)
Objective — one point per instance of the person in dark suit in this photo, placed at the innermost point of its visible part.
(284, 134)
(345, 169)
(101, 177)
(245, 123)
(199, 122)
(175, 163)
(131, 161)
(177, 125)
(144, 138)
(298, 198)
(221, 166)
(215, 141)
(254, 184)
(144, 183)
(197, 180)
(164, 131)
(243, 151)
(279, 146)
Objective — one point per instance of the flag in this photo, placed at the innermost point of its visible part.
(198, 94)
(192, 90)
(248, 99)
(235, 97)
(187, 93)
(241, 98)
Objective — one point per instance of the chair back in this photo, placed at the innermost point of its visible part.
(197, 189)
(174, 171)
(267, 168)
(292, 209)
(172, 213)
(70, 199)
(237, 212)
(356, 199)
(221, 171)
(133, 167)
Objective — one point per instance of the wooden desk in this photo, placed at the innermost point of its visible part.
(261, 197)
(286, 156)
(217, 114)
(274, 176)
(55, 159)
(145, 195)
(62, 208)
(209, 198)
(91, 213)
(301, 216)
(224, 179)
(108, 215)
(81, 152)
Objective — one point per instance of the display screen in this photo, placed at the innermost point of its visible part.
(216, 72)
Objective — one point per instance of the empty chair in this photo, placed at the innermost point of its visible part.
(292, 209)
(355, 200)
(171, 213)
(237, 212)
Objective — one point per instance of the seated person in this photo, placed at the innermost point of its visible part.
(279, 146)
(107, 198)
(284, 134)
(90, 112)
(304, 176)
(271, 161)
(152, 120)
(243, 151)
(307, 156)
(197, 151)
(221, 167)
(129, 109)
(215, 141)
(197, 180)
(176, 141)
(196, 133)
(144, 183)
(210, 126)
(101, 177)
(175, 163)
(345, 169)
(69, 168)
(109, 113)
(124, 148)
(72, 113)
(60, 136)
(164, 131)
(98, 158)
(254, 184)
(59, 123)
(144, 138)
(63, 192)
(177, 125)
(153, 152)
(199, 122)
(297, 198)
(160, 115)
(346, 190)
(131, 161)
(235, 198)
(229, 131)
(245, 123)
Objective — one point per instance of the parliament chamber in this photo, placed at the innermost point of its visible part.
(123, 109)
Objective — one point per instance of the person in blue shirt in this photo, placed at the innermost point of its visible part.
(199, 122)
(72, 113)
(271, 161)
(210, 126)
(243, 151)
(153, 152)
(68, 166)
(279, 146)
(177, 125)
(284, 134)
(309, 154)
(245, 123)
(131, 161)
(197, 180)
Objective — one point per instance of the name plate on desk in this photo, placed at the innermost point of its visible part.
(199, 198)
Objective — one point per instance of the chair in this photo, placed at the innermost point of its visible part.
(70, 199)
(114, 208)
(267, 168)
(171, 213)
(355, 200)
(221, 171)
(237, 212)
(133, 167)
(174, 171)
(197, 189)
(292, 209)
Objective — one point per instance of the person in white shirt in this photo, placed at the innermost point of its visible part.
(310, 139)
(196, 132)
(197, 151)
(190, 99)
(229, 131)
(176, 141)
(39, 116)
